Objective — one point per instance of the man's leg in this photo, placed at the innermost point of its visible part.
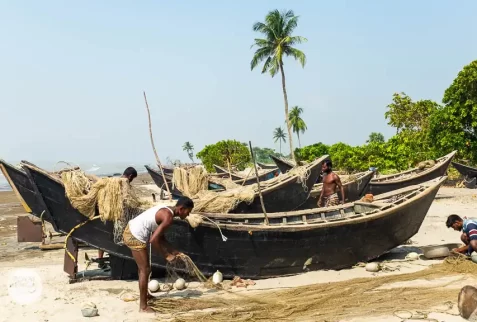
(100, 253)
(142, 261)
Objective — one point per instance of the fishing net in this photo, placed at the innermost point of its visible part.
(113, 198)
(327, 301)
(190, 181)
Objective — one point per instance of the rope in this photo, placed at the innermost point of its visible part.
(71, 231)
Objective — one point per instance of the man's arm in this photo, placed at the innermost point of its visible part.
(157, 239)
(338, 183)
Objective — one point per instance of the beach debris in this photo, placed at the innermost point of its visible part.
(153, 285)
(307, 263)
(239, 282)
(127, 296)
(180, 284)
(372, 267)
(412, 256)
(473, 257)
(467, 303)
(217, 277)
(89, 310)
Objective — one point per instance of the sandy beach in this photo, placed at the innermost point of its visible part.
(61, 301)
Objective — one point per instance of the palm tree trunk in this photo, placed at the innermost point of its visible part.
(286, 111)
(298, 135)
(280, 146)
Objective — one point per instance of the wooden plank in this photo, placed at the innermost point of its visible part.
(15, 190)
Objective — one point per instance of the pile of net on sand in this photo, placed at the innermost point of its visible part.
(225, 201)
(190, 181)
(327, 301)
(114, 198)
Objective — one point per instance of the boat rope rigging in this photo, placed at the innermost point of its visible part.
(71, 231)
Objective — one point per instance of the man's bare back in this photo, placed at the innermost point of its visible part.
(331, 181)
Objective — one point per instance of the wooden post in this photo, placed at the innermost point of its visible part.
(230, 172)
(154, 148)
(258, 183)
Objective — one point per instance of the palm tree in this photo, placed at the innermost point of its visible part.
(189, 148)
(279, 134)
(277, 29)
(297, 123)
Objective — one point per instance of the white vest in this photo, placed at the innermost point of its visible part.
(145, 224)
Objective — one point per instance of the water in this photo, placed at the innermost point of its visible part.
(100, 170)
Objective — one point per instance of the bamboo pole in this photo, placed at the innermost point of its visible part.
(230, 172)
(154, 148)
(258, 183)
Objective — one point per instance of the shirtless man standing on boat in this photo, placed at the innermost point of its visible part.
(150, 227)
(130, 173)
(331, 181)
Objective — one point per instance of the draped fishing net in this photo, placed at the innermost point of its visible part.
(190, 181)
(113, 198)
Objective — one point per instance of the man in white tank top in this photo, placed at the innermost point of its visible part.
(149, 227)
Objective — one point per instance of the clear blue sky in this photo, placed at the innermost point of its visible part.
(73, 73)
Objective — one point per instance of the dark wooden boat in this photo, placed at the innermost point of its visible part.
(26, 192)
(266, 166)
(410, 177)
(465, 170)
(354, 189)
(331, 238)
(283, 164)
(284, 195)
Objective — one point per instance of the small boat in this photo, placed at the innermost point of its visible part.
(410, 177)
(266, 166)
(26, 192)
(465, 170)
(159, 181)
(354, 189)
(283, 164)
(320, 238)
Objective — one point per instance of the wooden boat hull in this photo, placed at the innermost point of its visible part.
(465, 170)
(353, 190)
(282, 165)
(376, 186)
(257, 251)
(25, 189)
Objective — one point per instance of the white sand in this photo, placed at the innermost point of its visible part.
(61, 301)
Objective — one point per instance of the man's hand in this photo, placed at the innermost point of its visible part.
(319, 202)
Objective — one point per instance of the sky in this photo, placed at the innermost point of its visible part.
(73, 73)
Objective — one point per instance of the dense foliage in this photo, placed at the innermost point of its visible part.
(424, 130)
(263, 154)
(224, 153)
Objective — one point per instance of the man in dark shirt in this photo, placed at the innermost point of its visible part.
(469, 233)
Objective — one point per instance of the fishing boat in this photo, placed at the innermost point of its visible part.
(26, 192)
(465, 170)
(354, 187)
(159, 181)
(410, 177)
(283, 164)
(266, 166)
(292, 242)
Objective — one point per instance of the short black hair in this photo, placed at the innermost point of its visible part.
(328, 163)
(185, 202)
(452, 219)
(130, 171)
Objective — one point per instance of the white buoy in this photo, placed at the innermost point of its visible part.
(217, 277)
(180, 284)
(372, 267)
(412, 256)
(473, 257)
(153, 286)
